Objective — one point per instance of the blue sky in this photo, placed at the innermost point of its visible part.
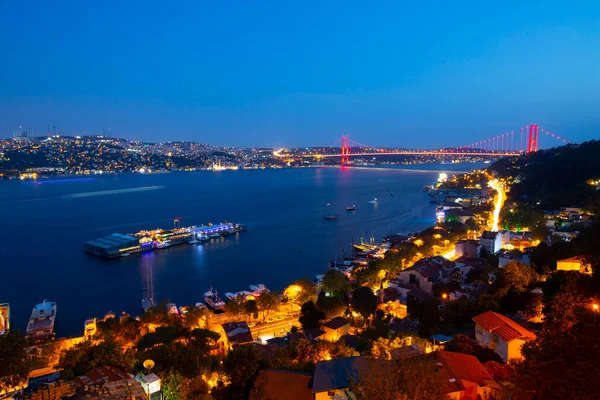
(411, 74)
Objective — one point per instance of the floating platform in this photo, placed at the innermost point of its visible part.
(123, 245)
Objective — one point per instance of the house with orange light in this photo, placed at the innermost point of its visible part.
(466, 378)
(578, 264)
(501, 334)
(335, 329)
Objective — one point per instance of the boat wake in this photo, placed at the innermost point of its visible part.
(109, 192)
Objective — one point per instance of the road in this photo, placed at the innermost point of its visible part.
(270, 330)
(497, 186)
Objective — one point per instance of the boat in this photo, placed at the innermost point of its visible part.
(41, 323)
(163, 245)
(214, 235)
(172, 309)
(89, 328)
(230, 296)
(427, 188)
(351, 208)
(374, 201)
(125, 254)
(193, 241)
(242, 227)
(258, 288)
(391, 193)
(330, 217)
(201, 306)
(202, 237)
(211, 298)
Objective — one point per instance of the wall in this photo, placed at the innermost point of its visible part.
(491, 340)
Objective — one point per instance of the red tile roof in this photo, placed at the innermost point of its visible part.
(507, 329)
(282, 385)
(465, 367)
(500, 372)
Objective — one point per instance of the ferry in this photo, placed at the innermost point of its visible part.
(211, 298)
(351, 208)
(41, 323)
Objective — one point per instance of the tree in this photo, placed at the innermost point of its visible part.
(335, 281)
(364, 301)
(310, 316)
(382, 347)
(241, 366)
(300, 292)
(251, 309)
(235, 307)
(562, 363)
(14, 362)
(471, 225)
(517, 276)
(267, 302)
(415, 378)
(332, 306)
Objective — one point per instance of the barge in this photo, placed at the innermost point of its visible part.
(122, 245)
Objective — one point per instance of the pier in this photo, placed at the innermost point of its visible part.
(122, 245)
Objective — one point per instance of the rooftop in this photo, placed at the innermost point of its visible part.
(465, 366)
(336, 323)
(231, 326)
(282, 385)
(507, 329)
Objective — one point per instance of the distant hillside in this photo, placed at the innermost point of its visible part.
(556, 177)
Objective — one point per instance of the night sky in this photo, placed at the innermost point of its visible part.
(411, 74)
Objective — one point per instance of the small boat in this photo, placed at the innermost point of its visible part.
(330, 217)
(193, 241)
(172, 309)
(125, 254)
(374, 201)
(202, 238)
(89, 328)
(201, 306)
(163, 244)
(214, 235)
(351, 208)
(147, 303)
(391, 193)
(41, 323)
(211, 298)
(230, 296)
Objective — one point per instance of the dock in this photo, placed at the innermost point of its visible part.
(122, 245)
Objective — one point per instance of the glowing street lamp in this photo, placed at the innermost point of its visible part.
(596, 307)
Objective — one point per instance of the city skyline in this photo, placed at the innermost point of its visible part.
(283, 76)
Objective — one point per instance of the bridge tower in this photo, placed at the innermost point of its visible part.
(345, 150)
(532, 144)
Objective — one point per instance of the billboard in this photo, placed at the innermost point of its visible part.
(4, 318)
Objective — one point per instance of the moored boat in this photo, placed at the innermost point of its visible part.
(351, 208)
(211, 298)
(41, 323)
(330, 217)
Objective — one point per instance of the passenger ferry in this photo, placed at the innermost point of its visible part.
(41, 323)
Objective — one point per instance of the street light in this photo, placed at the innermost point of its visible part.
(445, 296)
(595, 307)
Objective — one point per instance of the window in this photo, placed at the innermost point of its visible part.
(412, 279)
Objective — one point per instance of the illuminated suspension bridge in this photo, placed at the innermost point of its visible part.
(509, 144)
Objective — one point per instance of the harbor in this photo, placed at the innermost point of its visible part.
(122, 245)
